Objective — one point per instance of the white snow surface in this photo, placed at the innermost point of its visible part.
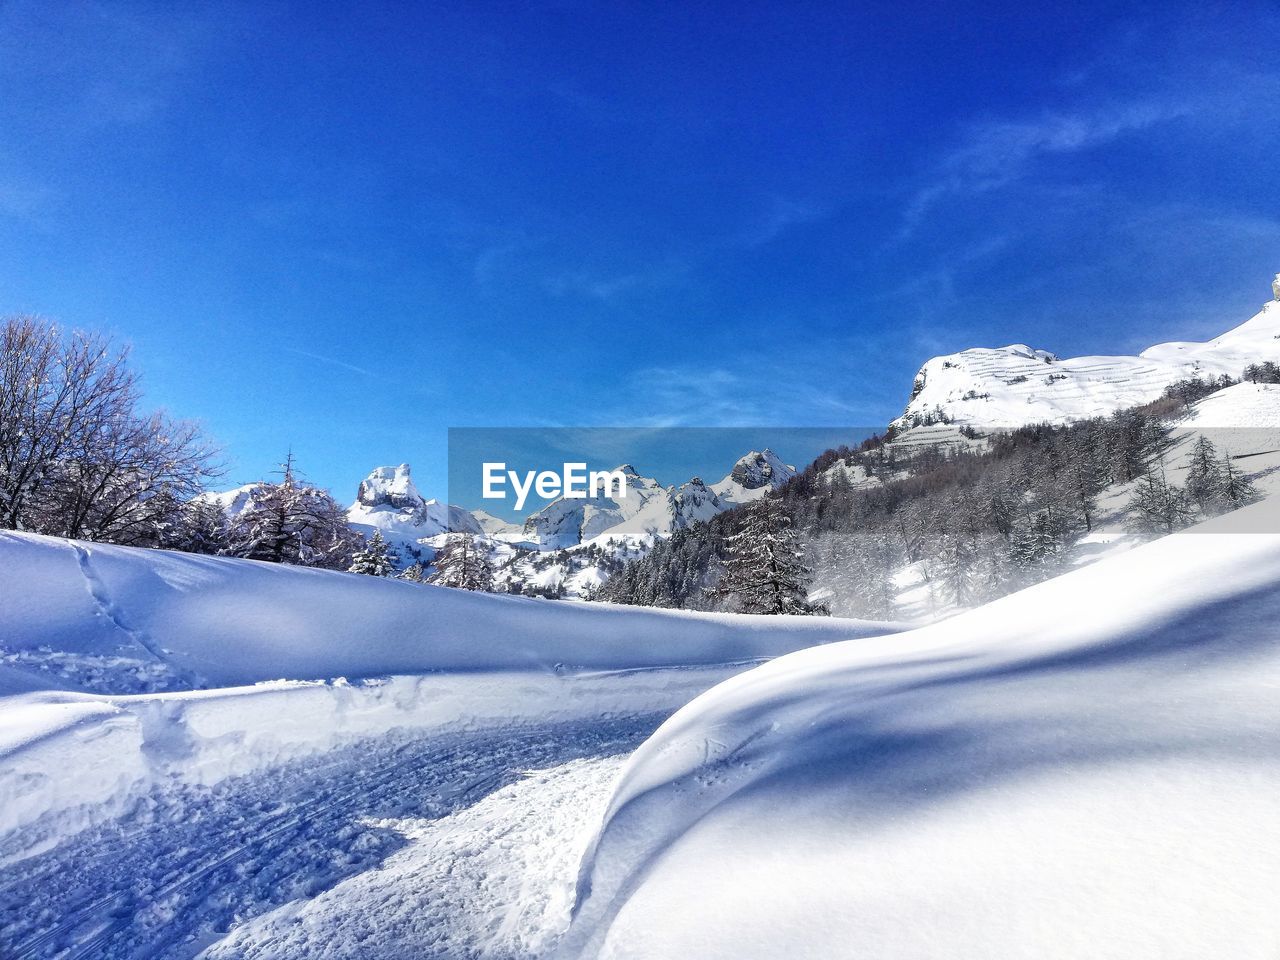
(92, 637)
(1014, 385)
(1090, 767)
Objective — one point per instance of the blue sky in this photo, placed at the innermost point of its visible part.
(344, 228)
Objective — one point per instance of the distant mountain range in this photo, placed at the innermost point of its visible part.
(389, 501)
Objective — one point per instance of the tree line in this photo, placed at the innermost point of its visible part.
(81, 457)
(976, 521)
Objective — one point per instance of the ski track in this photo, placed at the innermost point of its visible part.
(106, 606)
(187, 866)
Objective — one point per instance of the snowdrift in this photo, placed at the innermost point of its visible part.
(1090, 767)
(101, 649)
(121, 620)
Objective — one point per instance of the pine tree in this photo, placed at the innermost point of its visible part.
(293, 522)
(202, 527)
(1085, 476)
(764, 571)
(462, 564)
(374, 558)
(1158, 506)
(414, 573)
(1205, 478)
(1237, 489)
(956, 571)
(1036, 551)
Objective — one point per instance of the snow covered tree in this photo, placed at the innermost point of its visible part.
(764, 570)
(1035, 551)
(293, 522)
(1204, 484)
(78, 458)
(1237, 489)
(202, 526)
(955, 570)
(461, 563)
(1084, 475)
(414, 573)
(1158, 506)
(374, 559)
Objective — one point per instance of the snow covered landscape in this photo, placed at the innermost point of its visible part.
(228, 758)
(542, 481)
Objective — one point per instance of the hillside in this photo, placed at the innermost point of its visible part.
(81, 616)
(1010, 386)
(1084, 768)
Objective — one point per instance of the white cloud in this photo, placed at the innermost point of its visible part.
(995, 154)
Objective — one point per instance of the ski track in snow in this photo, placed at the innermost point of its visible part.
(187, 866)
(106, 606)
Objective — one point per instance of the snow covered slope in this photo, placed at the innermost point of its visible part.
(118, 619)
(90, 633)
(1017, 384)
(1090, 767)
(1242, 406)
(496, 528)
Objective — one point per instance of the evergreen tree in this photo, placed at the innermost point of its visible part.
(1205, 479)
(202, 527)
(1084, 475)
(374, 558)
(764, 571)
(1158, 506)
(414, 573)
(461, 563)
(1037, 547)
(955, 572)
(1237, 489)
(293, 522)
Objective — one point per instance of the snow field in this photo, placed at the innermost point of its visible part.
(1087, 767)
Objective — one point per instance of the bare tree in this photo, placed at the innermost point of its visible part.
(77, 458)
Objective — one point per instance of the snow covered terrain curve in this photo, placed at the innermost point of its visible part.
(422, 785)
(122, 620)
(1090, 767)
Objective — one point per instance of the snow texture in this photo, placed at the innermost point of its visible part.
(1090, 767)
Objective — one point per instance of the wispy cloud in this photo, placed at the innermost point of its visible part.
(780, 215)
(692, 395)
(995, 154)
(750, 391)
(23, 197)
(606, 286)
(332, 361)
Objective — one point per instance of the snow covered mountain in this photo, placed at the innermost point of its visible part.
(753, 476)
(1018, 384)
(388, 500)
(565, 522)
(651, 510)
(495, 527)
